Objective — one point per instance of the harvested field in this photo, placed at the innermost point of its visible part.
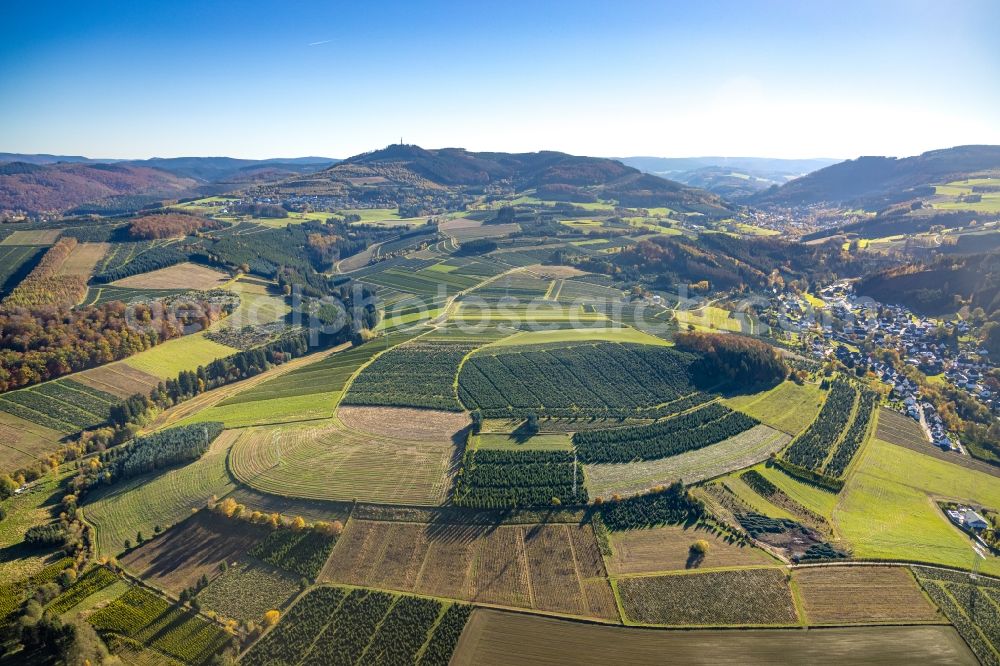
(737, 597)
(177, 558)
(118, 379)
(901, 430)
(745, 449)
(554, 272)
(36, 237)
(83, 258)
(179, 276)
(551, 567)
(862, 595)
(333, 463)
(669, 549)
(419, 425)
(502, 638)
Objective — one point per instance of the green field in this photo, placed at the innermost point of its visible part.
(812, 497)
(503, 441)
(886, 510)
(186, 353)
(269, 411)
(23, 511)
(158, 499)
(601, 334)
(788, 407)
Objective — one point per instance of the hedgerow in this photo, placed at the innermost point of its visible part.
(686, 432)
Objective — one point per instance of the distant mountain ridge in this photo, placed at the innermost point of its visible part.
(873, 182)
(730, 177)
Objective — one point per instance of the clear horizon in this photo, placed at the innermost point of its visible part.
(257, 79)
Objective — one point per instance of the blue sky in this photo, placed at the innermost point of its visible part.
(262, 79)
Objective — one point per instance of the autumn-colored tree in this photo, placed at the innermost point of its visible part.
(299, 523)
(271, 618)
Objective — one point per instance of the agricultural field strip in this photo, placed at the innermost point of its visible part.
(713, 461)
(392, 555)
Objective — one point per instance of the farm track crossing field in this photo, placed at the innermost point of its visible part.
(669, 549)
(141, 503)
(414, 374)
(862, 595)
(177, 558)
(742, 450)
(734, 597)
(551, 567)
(179, 276)
(498, 638)
(16, 261)
(901, 430)
(788, 407)
(332, 463)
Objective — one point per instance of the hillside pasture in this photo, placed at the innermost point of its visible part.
(551, 567)
(331, 462)
(737, 597)
(167, 359)
(862, 595)
(743, 450)
(498, 638)
(889, 498)
(514, 442)
(179, 276)
(293, 409)
(669, 549)
(176, 559)
(141, 503)
(788, 407)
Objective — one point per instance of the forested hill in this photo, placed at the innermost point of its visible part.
(873, 182)
(553, 175)
(940, 288)
(53, 188)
